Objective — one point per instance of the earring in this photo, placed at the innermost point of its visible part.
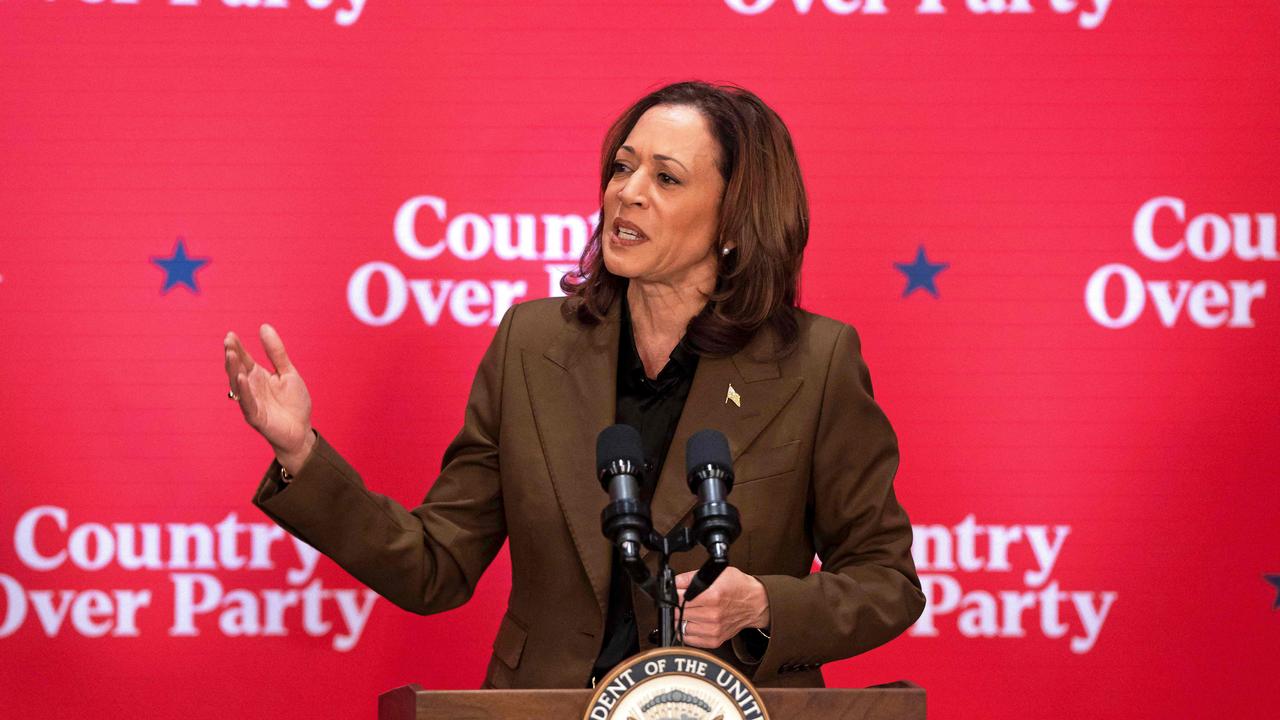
(725, 250)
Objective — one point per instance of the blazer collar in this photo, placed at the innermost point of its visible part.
(572, 387)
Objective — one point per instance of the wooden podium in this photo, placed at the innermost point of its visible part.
(894, 701)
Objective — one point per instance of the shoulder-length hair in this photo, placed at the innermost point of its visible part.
(763, 213)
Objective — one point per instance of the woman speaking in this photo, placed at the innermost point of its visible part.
(682, 316)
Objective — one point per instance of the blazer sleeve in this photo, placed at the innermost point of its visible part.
(424, 560)
(867, 591)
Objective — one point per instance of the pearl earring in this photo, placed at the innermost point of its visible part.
(725, 250)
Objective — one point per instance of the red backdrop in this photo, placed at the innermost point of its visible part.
(1087, 407)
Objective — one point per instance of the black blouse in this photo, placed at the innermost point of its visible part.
(653, 407)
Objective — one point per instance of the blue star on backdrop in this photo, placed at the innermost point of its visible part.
(1274, 580)
(920, 273)
(179, 269)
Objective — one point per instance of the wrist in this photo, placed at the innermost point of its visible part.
(293, 460)
(763, 618)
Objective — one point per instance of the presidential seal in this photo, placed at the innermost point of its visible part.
(677, 683)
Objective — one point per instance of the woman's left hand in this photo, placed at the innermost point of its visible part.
(733, 602)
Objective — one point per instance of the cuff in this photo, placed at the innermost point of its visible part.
(750, 646)
(785, 648)
(272, 488)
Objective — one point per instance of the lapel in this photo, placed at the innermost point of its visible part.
(573, 390)
(762, 391)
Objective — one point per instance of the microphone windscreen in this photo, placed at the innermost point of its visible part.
(707, 447)
(618, 442)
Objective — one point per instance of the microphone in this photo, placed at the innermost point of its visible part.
(715, 522)
(620, 466)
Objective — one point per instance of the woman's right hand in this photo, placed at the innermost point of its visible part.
(277, 404)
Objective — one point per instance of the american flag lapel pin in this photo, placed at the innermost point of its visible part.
(732, 396)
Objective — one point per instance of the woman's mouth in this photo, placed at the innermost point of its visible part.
(626, 236)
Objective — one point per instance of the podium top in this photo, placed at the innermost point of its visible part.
(902, 700)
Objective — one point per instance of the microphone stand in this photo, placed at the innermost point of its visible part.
(662, 587)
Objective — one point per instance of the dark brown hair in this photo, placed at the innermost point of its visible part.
(763, 211)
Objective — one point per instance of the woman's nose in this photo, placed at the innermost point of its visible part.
(633, 191)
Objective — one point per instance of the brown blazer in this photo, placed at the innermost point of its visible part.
(814, 457)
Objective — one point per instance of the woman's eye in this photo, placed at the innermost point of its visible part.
(619, 167)
(667, 179)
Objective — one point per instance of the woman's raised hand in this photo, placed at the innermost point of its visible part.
(277, 404)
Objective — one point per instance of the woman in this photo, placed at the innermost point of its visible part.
(682, 317)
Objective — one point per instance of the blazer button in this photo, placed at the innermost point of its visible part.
(654, 637)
